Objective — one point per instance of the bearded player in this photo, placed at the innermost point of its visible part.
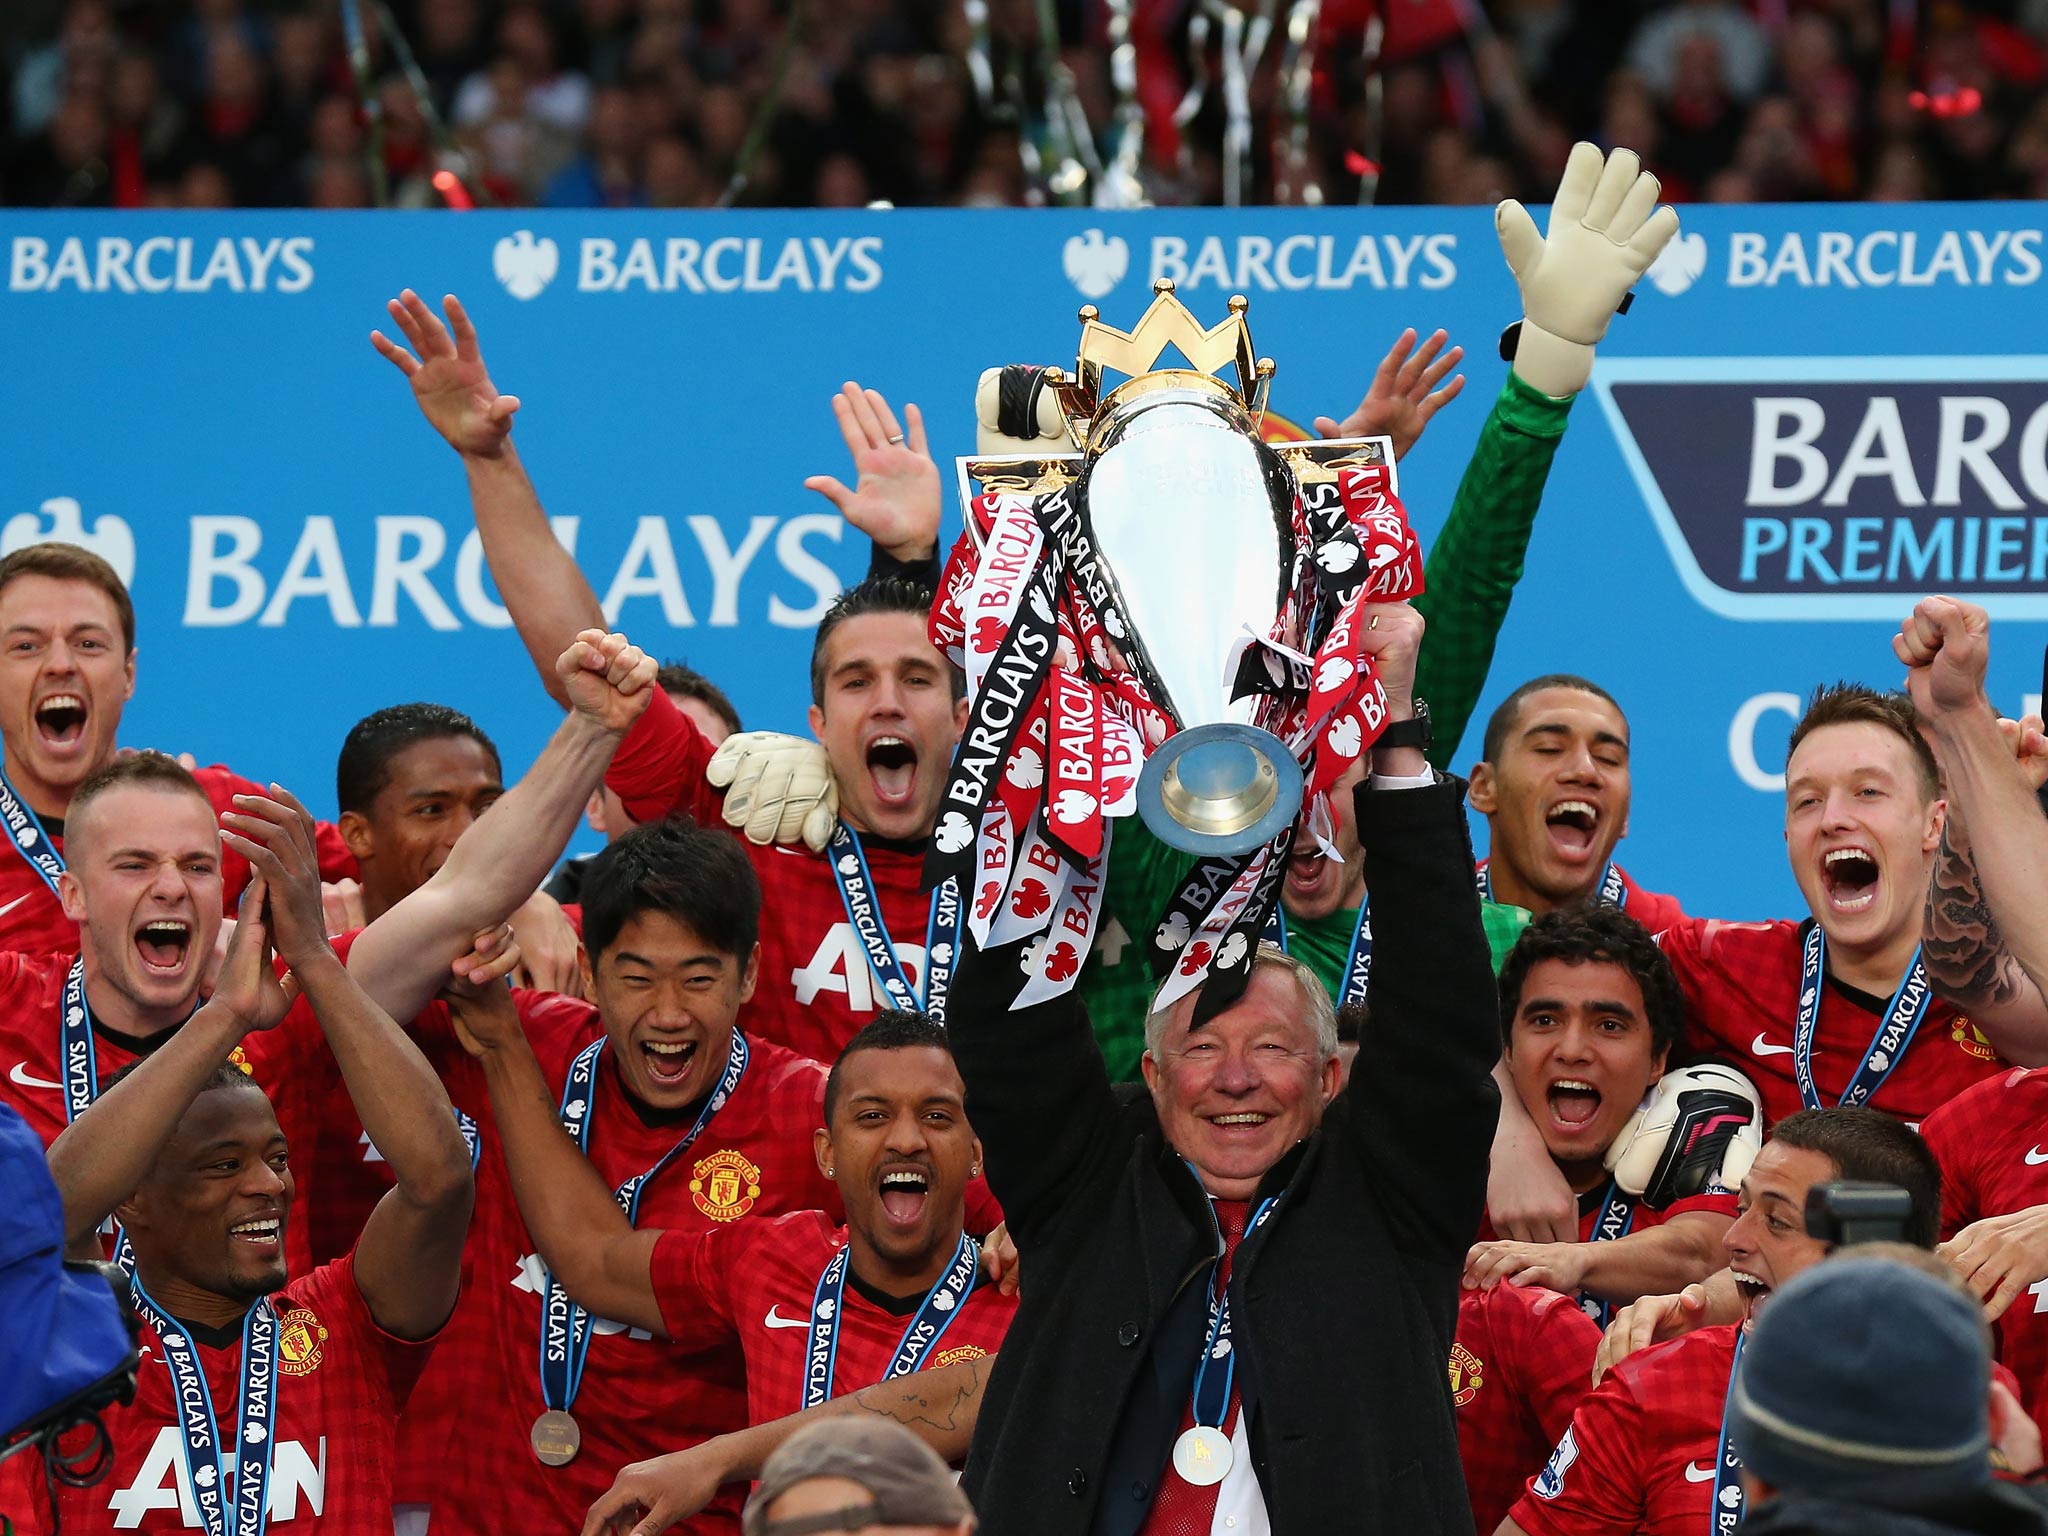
(886, 706)
(264, 1404)
(1646, 1451)
(818, 1308)
(67, 669)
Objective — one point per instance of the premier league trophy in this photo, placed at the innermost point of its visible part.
(1163, 617)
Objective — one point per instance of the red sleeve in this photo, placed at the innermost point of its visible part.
(1714, 1201)
(336, 862)
(689, 1270)
(659, 767)
(573, 911)
(984, 1214)
(1946, 1139)
(390, 1365)
(1550, 1347)
(1591, 1485)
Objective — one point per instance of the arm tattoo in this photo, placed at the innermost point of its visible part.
(1966, 955)
(950, 1409)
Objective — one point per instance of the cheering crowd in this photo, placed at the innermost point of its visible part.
(447, 1203)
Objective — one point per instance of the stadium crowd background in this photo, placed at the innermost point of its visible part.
(587, 103)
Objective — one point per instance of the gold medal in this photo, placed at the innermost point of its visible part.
(1202, 1456)
(556, 1439)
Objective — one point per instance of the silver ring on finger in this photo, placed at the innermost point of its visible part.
(897, 438)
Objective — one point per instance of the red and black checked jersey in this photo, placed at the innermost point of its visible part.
(1741, 985)
(816, 989)
(640, 1396)
(291, 1062)
(33, 922)
(756, 1280)
(1522, 1360)
(1640, 1454)
(341, 1382)
(1992, 1144)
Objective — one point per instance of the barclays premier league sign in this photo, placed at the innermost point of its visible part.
(1809, 417)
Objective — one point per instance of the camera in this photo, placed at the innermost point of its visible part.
(1849, 1211)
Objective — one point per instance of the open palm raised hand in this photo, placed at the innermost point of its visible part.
(449, 380)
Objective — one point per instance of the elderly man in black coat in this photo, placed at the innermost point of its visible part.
(1240, 1290)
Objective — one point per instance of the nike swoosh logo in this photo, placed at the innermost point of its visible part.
(1695, 1473)
(2036, 1158)
(1762, 1047)
(27, 1079)
(776, 1320)
(15, 903)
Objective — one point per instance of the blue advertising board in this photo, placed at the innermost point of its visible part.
(1810, 416)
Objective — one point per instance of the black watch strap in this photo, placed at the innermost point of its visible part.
(1408, 733)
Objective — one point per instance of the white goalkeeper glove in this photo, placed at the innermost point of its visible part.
(1605, 230)
(1016, 413)
(778, 789)
(1699, 1128)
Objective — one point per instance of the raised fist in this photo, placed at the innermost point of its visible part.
(608, 679)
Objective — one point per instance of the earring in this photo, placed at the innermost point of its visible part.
(831, 1172)
(974, 1172)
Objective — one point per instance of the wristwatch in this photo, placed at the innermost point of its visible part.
(1408, 733)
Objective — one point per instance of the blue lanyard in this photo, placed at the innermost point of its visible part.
(31, 838)
(1903, 1016)
(941, 1308)
(565, 1328)
(1213, 1389)
(78, 1062)
(849, 863)
(1357, 962)
(1613, 889)
(223, 1478)
(1726, 1511)
(1617, 1216)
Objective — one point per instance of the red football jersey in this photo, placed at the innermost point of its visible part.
(758, 1279)
(341, 1382)
(33, 921)
(291, 1062)
(1641, 1451)
(640, 1396)
(816, 988)
(1522, 1360)
(1741, 985)
(1992, 1144)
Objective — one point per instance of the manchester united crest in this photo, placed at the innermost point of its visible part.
(1971, 1039)
(958, 1353)
(1465, 1373)
(725, 1185)
(299, 1337)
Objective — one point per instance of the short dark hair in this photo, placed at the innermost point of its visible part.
(1857, 704)
(681, 870)
(70, 562)
(679, 679)
(1580, 935)
(878, 594)
(893, 1029)
(1502, 720)
(1352, 1019)
(373, 742)
(229, 1074)
(1868, 1145)
(148, 768)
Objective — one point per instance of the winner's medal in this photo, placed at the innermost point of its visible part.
(1202, 1456)
(556, 1439)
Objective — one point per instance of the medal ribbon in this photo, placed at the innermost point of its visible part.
(1617, 1215)
(1725, 1513)
(223, 1479)
(849, 863)
(1212, 1390)
(1613, 890)
(565, 1328)
(1903, 1016)
(30, 838)
(1357, 962)
(942, 1305)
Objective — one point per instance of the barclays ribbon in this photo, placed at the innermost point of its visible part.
(565, 1328)
(1212, 1389)
(31, 839)
(941, 1307)
(849, 863)
(222, 1478)
(1903, 1016)
(1613, 889)
(1357, 975)
(1617, 1215)
(1726, 1511)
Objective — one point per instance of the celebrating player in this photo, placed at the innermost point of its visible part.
(1590, 1012)
(1646, 1451)
(817, 1308)
(1522, 1361)
(186, 1151)
(852, 926)
(67, 669)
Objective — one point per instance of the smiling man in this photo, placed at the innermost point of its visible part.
(1645, 1454)
(67, 670)
(818, 1308)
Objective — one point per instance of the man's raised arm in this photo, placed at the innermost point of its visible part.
(544, 589)
(402, 959)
